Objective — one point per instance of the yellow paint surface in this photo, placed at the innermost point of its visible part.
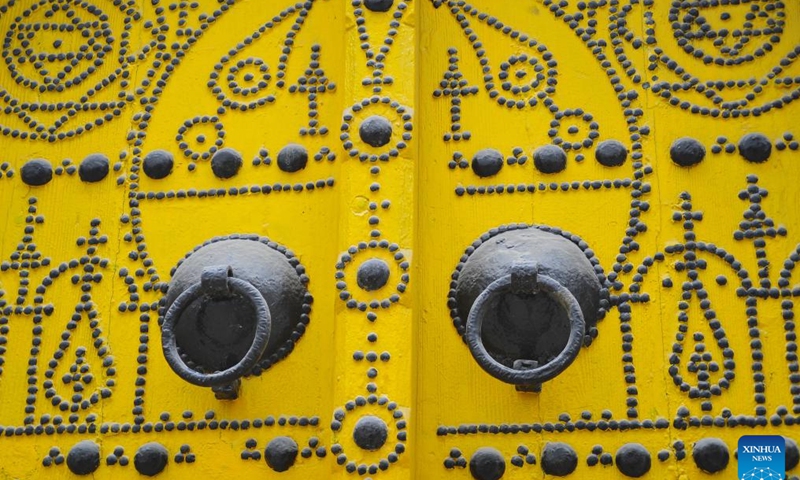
(125, 78)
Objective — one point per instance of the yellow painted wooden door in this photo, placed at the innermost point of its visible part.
(380, 148)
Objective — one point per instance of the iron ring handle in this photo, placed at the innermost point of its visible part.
(531, 285)
(250, 359)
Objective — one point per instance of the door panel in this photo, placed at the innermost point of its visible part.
(640, 155)
(691, 244)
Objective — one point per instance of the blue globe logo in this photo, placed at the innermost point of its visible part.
(762, 474)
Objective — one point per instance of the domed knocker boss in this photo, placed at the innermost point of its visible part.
(234, 306)
(532, 297)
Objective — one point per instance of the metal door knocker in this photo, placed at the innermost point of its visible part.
(235, 306)
(531, 297)
(217, 282)
(525, 280)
